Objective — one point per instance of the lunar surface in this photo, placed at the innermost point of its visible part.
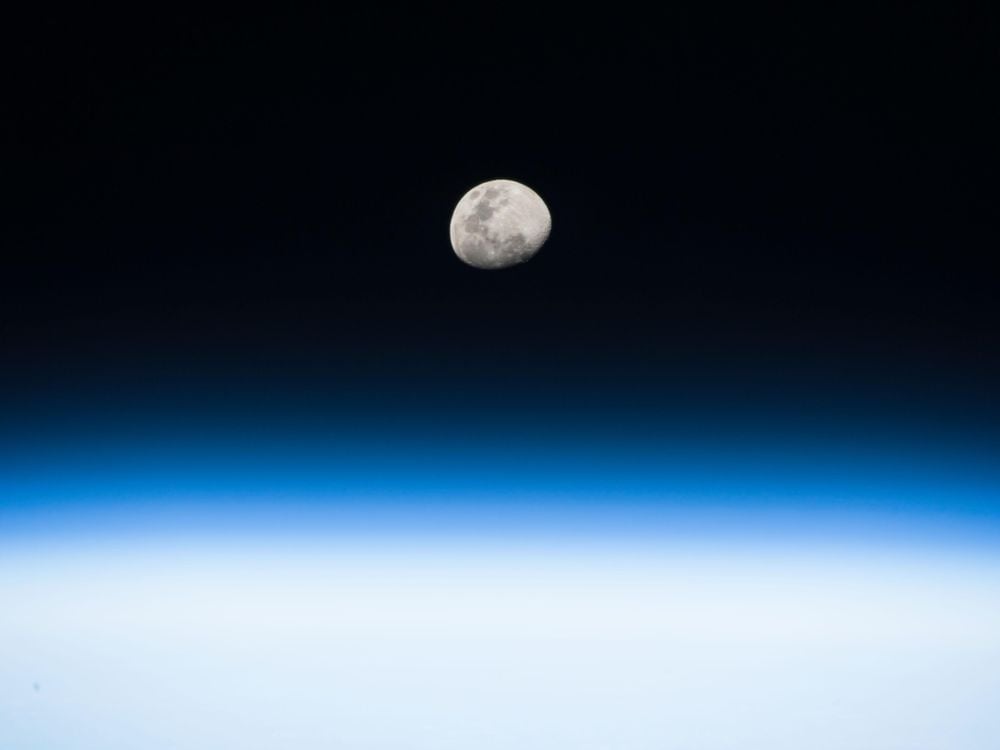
(498, 224)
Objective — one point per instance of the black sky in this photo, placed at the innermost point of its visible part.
(733, 191)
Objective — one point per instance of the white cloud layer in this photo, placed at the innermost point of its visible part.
(256, 645)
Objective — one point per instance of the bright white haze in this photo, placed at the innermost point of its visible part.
(480, 647)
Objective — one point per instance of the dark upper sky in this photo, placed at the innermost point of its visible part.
(734, 192)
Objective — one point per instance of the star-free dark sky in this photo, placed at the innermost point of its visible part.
(747, 204)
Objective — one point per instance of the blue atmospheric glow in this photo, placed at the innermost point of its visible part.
(514, 588)
(516, 479)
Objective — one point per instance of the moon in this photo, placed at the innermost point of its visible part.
(499, 224)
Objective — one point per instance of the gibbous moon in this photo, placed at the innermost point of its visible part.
(498, 224)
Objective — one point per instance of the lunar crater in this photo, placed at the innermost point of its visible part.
(498, 224)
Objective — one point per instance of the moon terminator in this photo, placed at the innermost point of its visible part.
(499, 224)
